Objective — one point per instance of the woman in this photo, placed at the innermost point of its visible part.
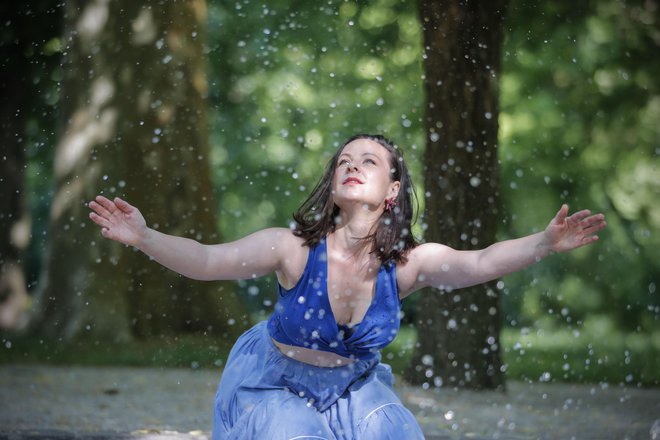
(313, 371)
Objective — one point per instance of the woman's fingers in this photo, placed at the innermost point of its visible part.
(106, 203)
(105, 232)
(561, 214)
(95, 218)
(99, 220)
(595, 219)
(99, 209)
(580, 215)
(107, 208)
(122, 205)
(594, 226)
(103, 212)
(115, 217)
(588, 240)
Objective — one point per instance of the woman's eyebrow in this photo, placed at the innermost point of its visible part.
(363, 154)
(372, 155)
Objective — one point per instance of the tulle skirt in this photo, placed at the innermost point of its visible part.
(266, 395)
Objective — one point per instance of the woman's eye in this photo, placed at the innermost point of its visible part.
(369, 161)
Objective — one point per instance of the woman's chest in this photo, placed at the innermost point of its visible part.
(351, 290)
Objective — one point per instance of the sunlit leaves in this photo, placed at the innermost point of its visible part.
(579, 117)
(294, 81)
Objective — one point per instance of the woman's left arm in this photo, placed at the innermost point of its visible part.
(440, 266)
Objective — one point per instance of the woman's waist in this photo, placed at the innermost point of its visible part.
(316, 358)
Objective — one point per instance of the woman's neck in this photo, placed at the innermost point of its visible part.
(348, 236)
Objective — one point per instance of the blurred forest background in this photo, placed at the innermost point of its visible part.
(257, 96)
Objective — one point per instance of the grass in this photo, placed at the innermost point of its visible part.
(591, 356)
(529, 355)
(193, 351)
(571, 356)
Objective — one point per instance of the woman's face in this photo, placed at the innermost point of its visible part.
(364, 176)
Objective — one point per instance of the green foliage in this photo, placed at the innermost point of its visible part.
(290, 82)
(191, 350)
(579, 125)
(580, 105)
(598, 353)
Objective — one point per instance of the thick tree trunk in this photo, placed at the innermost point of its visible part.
(136, 127)
(14, 219)
(459, 330)
(29, 25)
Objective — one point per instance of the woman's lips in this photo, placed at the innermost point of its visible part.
(352, 180)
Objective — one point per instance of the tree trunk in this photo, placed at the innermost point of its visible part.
(29, 25)
(458, 331)
(135, 126)
(14, 219)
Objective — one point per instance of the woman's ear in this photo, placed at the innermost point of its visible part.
(394, 189)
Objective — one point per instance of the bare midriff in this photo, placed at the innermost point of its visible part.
(313, 357)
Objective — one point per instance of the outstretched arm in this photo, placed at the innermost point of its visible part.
(252, 256)
(441, 266)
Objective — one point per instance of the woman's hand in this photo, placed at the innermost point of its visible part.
(119, 220)
(260, 253)
(570, 232)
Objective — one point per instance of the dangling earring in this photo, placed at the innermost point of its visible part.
(390, 203)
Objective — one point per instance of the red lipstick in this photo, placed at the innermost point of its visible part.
(352, 180)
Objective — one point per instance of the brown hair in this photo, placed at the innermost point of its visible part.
(393, 237)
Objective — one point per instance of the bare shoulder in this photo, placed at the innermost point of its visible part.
(409, 275)
(284, 238)
(292, 253)
(281, 241)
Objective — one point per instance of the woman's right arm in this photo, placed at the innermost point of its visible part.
(257, 254)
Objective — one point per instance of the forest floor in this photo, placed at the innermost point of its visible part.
(62, 403)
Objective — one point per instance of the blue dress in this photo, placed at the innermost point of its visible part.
(264, 394)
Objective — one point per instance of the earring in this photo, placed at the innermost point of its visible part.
(390, 203)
